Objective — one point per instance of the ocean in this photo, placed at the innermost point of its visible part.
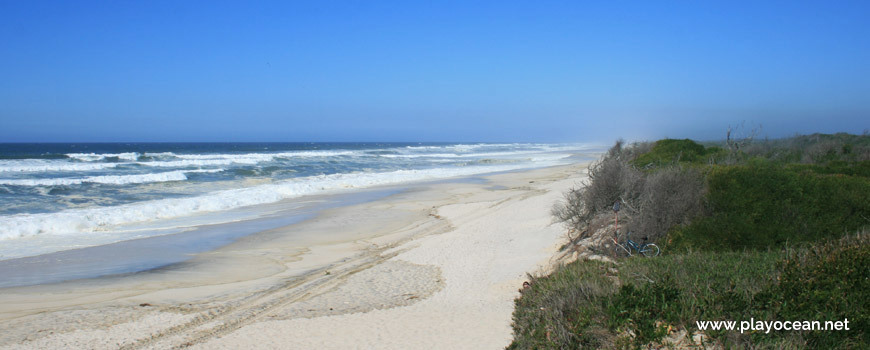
(68, 196)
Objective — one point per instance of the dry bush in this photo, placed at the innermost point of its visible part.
(816, 153)
(572, 212)
(652, 204)
(670, 197)
(761, 149)
(610, 179)
(637, 148)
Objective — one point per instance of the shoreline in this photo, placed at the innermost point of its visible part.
(140, 255)
(386, 259)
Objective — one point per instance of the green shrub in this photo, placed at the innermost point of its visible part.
(669, 151)
(815, 148)
(763, 205)
(564, 309)
(841, 167)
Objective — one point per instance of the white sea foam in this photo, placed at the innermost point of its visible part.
(128, 156)
(82, 221)
(198, 162)
(47, 165)
(268, 156)
(254, 156)
(186, 160)
(178, 175)
(159, 154)
(467, 147)
(465, 155)
(94, 161)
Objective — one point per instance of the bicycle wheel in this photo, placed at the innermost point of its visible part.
(620, 251)
(650, 250)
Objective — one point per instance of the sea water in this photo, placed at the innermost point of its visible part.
(64, 196)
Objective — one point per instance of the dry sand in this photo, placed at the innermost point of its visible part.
(437, 266)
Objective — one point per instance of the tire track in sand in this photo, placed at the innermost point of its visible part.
(215, 323)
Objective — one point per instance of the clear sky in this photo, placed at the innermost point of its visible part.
(429, 71)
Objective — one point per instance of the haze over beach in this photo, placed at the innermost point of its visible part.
(366, 175)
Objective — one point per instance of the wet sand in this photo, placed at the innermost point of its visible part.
(435, 266)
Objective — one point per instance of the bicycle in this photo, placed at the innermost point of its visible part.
(647, 249)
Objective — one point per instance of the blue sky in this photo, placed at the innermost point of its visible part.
(429, 71)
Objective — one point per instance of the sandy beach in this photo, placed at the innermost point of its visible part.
(433, 266)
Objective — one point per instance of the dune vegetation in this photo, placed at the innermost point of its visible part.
(772, 230)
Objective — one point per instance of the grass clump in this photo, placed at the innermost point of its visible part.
(641, 302)
(591, 304)
(828, 282)
(644, 310)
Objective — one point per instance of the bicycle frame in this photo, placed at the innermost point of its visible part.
(629, 245)
(632, 244)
